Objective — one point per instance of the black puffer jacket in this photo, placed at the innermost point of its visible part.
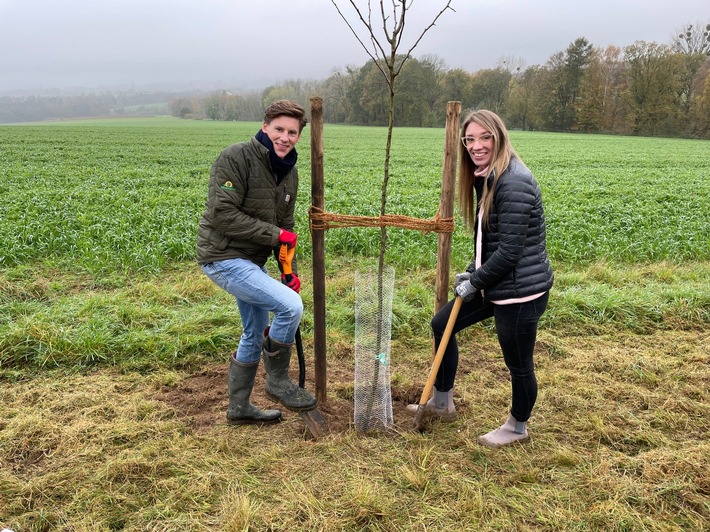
(246, 208)
(514, 262)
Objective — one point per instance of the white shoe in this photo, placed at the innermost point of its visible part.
(510, 432)
(441, 404)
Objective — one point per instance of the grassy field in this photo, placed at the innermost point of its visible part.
(113, 345)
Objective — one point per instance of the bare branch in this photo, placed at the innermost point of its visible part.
(375, 43)
(399, 23)
(433, 23)
(385, 18)
(368, 24)
(394, 38)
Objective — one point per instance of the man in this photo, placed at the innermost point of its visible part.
(249, 214)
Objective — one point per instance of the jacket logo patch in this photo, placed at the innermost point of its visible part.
(227, 186)
(287, 199)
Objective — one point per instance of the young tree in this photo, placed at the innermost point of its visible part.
(385, 32)
(390, 64)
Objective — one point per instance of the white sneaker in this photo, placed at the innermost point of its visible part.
(505, 435)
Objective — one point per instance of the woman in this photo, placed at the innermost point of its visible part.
(510, 276)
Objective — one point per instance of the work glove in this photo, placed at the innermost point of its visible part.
(292, 281)
(288, 238)
(460, 278)
(466, 291)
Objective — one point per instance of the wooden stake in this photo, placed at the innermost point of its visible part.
(446, 206)
(318, 249)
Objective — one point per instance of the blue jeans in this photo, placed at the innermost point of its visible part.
(516, 326)
(257, 295)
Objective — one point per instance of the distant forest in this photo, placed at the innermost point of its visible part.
(36, 108)
(642, 89)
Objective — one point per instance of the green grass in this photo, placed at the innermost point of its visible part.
(127, 194)
(616, 446)
(113, 343)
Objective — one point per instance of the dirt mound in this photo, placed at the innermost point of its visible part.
(201, 398)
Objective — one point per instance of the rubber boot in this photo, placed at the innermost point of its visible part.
(440, 404)
(510, 432)
(239, 385)
(277, 358)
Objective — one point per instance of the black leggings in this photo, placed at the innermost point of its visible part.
(516, 325)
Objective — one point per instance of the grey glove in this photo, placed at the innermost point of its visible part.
(460, 278)
(466, 291)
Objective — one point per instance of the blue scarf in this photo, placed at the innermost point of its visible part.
(279, 165)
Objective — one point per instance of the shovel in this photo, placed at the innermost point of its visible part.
(312, 418)
(437, 362)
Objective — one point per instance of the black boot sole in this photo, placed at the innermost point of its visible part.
(250, 421)
(291, 408)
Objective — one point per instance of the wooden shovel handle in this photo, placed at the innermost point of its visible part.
(440, 351)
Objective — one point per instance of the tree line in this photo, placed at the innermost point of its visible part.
(107, 103)
(642, 89)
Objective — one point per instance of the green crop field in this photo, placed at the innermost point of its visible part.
(113, 344)
(126, 194)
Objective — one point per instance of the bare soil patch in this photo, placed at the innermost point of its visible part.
(201, 399)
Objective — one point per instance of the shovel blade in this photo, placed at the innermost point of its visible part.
(418, 417)
(315, 422)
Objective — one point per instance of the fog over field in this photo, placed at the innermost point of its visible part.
(250, 44)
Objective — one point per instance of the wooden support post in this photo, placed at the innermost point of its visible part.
(318, 249)
(446, 207)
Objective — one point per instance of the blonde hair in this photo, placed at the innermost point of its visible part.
(503, 152)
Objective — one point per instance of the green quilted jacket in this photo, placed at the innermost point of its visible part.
(245, 208)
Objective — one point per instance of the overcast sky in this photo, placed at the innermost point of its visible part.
(252, 43)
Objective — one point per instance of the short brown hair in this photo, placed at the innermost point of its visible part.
(286, 108)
